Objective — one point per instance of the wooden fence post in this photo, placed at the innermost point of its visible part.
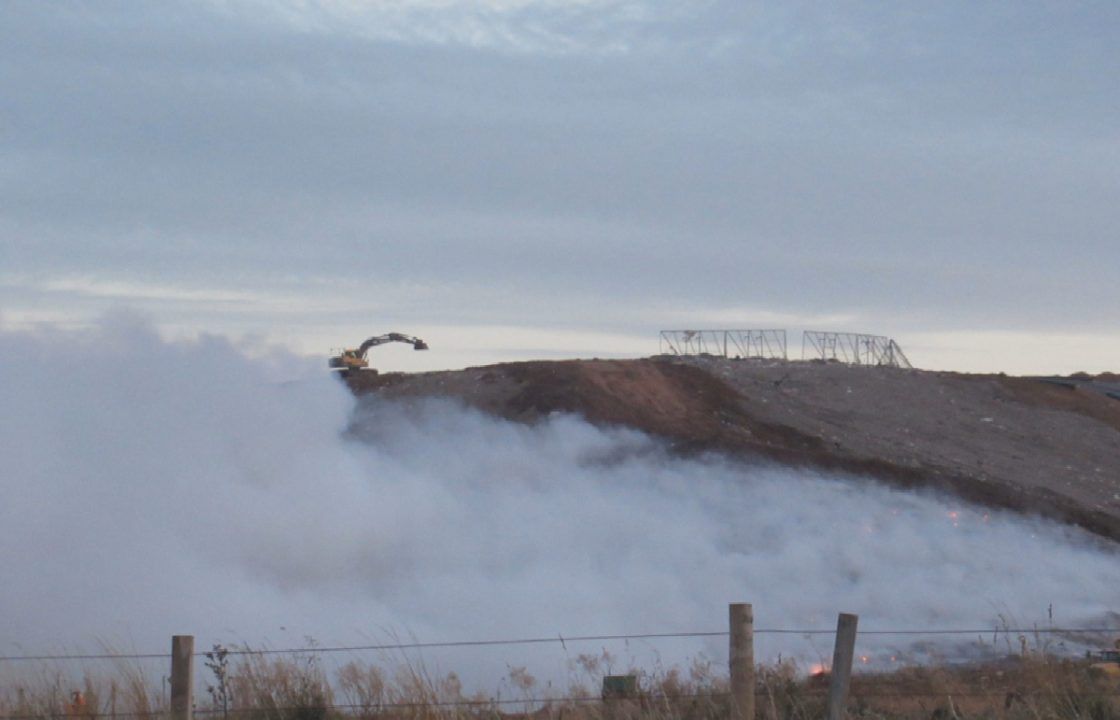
(182, 676)
(842, 657)
(741, 661)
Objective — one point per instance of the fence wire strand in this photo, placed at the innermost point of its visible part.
(854, 693)
(558, 639)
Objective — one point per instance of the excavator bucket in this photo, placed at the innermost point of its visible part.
(419, 345)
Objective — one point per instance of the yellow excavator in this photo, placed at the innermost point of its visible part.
(354, 359)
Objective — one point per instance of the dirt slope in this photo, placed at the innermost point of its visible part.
(1015, 443)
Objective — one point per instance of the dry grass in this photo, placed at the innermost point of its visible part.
(267, 687)
(1029, 688)
(125, 690)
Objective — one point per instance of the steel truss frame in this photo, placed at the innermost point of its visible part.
(853, 349)
(765, 344)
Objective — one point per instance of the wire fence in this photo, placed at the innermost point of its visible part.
(1005, 696)
(718, 695)
(385, 706)
(562, 640)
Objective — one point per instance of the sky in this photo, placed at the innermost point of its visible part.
(521, 179)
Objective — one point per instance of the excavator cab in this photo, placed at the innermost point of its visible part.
(347, 360)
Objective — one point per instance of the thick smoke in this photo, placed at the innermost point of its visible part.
(153, 487)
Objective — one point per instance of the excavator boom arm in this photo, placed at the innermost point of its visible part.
(415, 342)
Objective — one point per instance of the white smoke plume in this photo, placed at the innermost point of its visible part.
(153, 487)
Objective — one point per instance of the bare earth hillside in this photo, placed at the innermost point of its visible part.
(1020, 443)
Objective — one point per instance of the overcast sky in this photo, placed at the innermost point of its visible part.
(515, 178)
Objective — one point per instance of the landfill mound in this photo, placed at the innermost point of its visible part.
(1049, 446)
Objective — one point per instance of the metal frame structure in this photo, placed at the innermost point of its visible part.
(853, 349)
(765, 344)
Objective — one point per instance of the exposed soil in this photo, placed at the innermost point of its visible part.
(1027, 444)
